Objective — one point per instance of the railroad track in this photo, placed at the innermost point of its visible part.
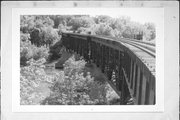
(143, 45)
(148, 48)
(140, 41)
(146, 52)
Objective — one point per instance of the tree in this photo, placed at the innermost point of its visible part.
(78, 22)
(26, 23)
(120, 26)
(102, 29)
(40, 28)
(39, 23)
(102, 19)
(29, 51)
(149, 31)
(24, 37)
(45, 20)
(48, 22)
(60, 19)
(62, 28)
(35, 38)
(48, 36)
(132, 30)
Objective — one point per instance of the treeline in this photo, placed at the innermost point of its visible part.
(43, 29)
(39, 32)
(121, 27)
(40, 28)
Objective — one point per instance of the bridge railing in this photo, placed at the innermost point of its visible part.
(126, 73)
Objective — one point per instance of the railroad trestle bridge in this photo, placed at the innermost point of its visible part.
(128, 64)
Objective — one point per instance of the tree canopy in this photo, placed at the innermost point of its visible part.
(42, 27)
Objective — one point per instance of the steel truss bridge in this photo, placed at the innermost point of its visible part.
(128, 64)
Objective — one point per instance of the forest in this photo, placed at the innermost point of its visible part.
(76, 83)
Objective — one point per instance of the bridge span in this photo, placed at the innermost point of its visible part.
(128, 64)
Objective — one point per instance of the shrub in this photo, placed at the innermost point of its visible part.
(24, 37)
(29, 51)
(77, 88)
(72, 66)
(40, 52)
(30, 78)
(55, 51)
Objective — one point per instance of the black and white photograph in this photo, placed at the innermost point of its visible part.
(94, 57)
(88, 59)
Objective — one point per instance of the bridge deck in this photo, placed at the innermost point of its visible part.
(146, 58)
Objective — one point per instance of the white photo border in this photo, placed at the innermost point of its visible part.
(16, 107)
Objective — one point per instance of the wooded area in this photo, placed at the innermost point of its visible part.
(40, 45)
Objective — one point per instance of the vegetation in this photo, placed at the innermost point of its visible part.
(29, 51)
(73, 88)
(42, 28)
(40, 44)
(31, 77)
(121, 27)
(78, 87)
